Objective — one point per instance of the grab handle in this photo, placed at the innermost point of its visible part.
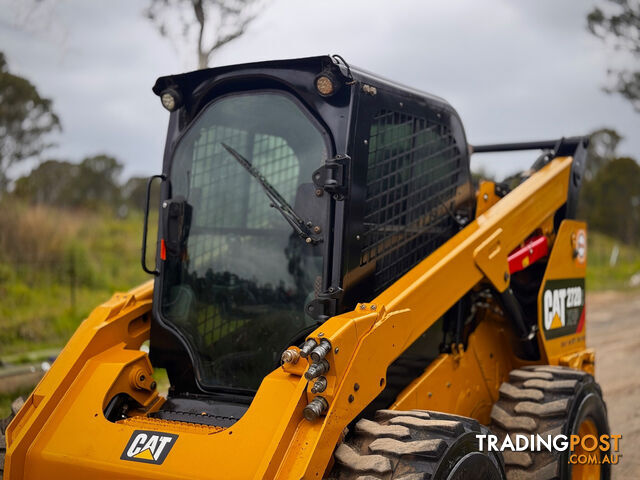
(145, 225)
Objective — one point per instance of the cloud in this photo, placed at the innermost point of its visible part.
(514, 71)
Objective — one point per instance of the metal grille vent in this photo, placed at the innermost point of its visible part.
(414, 170)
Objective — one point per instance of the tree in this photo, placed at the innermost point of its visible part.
(619, 24)
(603, 145)
(98, 180)
(134, 193)
(25, 120)
(93, 183)
(50, 183)
(614, 195)
(207, 24)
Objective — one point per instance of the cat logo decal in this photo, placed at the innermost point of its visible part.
(563, 307)
(148, 447)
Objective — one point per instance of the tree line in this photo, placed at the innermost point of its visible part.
(610, 197)
(94, 183)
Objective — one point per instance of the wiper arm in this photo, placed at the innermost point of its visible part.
(278, 201)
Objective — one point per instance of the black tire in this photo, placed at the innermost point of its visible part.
(546, 400)
(415, 445)
(4, 423)
(3, 450)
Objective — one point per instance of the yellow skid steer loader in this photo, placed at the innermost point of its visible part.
(332, 298)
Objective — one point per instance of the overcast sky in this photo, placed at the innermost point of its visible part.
(514, 70)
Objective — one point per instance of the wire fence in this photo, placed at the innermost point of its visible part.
(611, 264)
(48, 276)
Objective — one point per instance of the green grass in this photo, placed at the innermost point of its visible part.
(601, 275)
(39, 308)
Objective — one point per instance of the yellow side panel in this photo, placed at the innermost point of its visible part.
(561, 300)
(465, 383)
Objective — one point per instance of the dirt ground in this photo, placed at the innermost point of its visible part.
(613, 329)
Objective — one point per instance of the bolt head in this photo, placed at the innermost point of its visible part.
(290, 356)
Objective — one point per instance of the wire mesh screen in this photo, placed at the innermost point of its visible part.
(227, 196)
(231, 201)
(414, 170)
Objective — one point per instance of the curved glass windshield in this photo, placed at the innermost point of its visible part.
(239, 268)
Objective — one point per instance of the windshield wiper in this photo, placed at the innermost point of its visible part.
(278, 202)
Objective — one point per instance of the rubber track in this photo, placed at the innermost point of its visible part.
(536, 400)
(399, 445)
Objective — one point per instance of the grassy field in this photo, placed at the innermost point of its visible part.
(602, 274)
(57, 265)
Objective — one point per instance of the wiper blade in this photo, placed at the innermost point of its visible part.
(278, 201)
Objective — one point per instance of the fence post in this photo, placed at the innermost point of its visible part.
(72, 281)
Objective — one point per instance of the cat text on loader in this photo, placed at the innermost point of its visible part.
(332, 299)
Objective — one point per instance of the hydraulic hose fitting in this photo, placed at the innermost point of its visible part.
(316, 407)
(290, 356)
(320, 351)
(307, 347)
(320, 385)
(317, 369)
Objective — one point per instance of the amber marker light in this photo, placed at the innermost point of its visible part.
(324, 85)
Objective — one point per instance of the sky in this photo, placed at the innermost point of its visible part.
(514, 71)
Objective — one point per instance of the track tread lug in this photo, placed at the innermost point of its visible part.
(415, 476)
(520, 459)
(387, 414)
(563, 372)
(548, 409)
(427, 448)
(548, 472)
(451, 427)
(512, 422)
(521, 374)
(515, 393)
(348, 457)
(566, 386)
(374, 428)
